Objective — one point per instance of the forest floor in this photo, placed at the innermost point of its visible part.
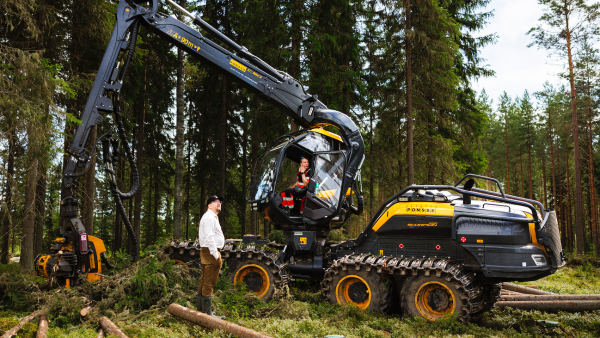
(136, 297)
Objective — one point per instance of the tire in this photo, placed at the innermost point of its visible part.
(261, 276)
(433, 297)
(357, 283)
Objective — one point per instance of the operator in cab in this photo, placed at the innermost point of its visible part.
(294, 197)
(212, 241)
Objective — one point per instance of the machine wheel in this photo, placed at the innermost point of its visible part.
(257, 269)
(491, 293)
(431, 297)
(355, 280)
(435, 288)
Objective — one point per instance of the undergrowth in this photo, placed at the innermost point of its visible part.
(135, 298)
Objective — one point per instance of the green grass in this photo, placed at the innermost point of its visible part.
(135, 299)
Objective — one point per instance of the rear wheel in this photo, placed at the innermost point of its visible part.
(357, 284)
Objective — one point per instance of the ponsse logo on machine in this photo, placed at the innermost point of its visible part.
(421, 209)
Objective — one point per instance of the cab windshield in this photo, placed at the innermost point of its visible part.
(266, 175)
(329, 173)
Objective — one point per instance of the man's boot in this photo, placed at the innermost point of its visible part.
(207, 306)
(199, 303)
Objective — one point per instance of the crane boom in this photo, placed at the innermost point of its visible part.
(248, 70)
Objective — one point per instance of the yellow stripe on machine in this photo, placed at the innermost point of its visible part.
(415, 208)
(327, 133)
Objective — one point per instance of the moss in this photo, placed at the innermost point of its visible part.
(135, 297)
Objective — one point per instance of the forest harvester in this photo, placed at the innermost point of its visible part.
(431, 248)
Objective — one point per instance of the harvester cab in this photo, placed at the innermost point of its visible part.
(320, 204)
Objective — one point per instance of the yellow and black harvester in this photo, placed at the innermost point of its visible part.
(436, 247)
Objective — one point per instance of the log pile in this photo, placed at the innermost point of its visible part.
(529, 297)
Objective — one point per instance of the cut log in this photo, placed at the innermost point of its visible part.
(18, 327)
(510, 293)
(524, 289)
(42, 331)
(110, 328)
(532, 286)
(100, 333)
(560, 305)
(85, 311)
(549, 297)
(212, 322)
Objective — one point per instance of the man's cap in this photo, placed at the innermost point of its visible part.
(214, 198)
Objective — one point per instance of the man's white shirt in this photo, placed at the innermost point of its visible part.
(210, 233)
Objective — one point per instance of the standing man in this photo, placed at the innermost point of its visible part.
(211, 242)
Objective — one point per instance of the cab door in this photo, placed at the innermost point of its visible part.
(325, 193)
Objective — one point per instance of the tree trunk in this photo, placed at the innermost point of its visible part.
(89, 191)
(506, 144)
(223, 153)
(254, 157)
(29, 220)
(149, 219)
(521, 163)
(592, 189)
(40, 209)
(156, 207)
(7, 219)
(409, 112)
(187, 193)
(137, 212)
(118, 226)
(578, 190)
(179, 142)
(544, 179)
(570, 211)
(529, 166)
(243, 204)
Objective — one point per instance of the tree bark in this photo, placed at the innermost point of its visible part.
(521, 163)
(29, 220)
(140, 165)
(89, 190)
(223, 153)
(409, 107)
(544, 179)
(187, 192)
(570, 211)
(40, 209)
(592, 188)
(578, 190)
(506, 145)
(7, 219)
(155, 228)
(118, 226)
(179, 142)
(529, 164)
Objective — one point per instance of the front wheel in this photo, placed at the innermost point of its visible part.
(257, 270)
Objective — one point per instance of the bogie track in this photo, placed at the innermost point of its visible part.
(431, 287)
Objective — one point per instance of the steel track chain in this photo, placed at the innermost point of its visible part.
(355, 262)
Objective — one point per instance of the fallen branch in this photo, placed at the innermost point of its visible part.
(18, 327)
(42, 331)
(564, 305)
(111, 328)
(212, 322)
(549, 297)
(524, 289)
